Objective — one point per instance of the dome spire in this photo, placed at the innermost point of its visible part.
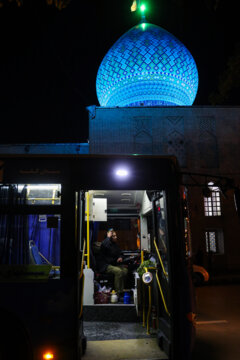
(138, 4)
(143, 17)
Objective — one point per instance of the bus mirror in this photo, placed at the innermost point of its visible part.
(237, 200)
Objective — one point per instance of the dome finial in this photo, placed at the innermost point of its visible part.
(137, 4)
(142, 9)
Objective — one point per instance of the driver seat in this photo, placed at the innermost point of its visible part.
(101, 278)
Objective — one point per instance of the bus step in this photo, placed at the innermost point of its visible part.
(110, 312)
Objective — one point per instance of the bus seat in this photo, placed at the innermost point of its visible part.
(37, 259)
(102, 278)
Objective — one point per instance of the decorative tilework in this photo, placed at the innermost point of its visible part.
(175, 138)
(208, 142)
(142, 135)
(147, 66)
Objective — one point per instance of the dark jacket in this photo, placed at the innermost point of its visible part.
(109, 253)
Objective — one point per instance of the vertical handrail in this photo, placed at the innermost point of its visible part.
(161, 292)
(82, 263)
(143, 293)
(76, 222)
(88, 233)
(81, 276)
(160, 259)
(149, 307)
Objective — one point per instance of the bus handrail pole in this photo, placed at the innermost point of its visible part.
(149, 307)
(143, 293)
(161, 292)
(81, 276)
(160, 258)
(42, 256)
(88, 231)
(84, 246)
(149, 303)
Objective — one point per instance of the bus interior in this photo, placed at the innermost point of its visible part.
(136, 216)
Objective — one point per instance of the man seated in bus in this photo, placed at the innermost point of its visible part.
(111, 259)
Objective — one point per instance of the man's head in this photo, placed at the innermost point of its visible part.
(114, 236)
(110, 232)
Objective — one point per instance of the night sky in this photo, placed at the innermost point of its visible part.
(49, 59)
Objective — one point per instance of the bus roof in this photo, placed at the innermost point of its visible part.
(90, 171)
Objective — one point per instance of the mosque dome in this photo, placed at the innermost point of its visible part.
(147, 66)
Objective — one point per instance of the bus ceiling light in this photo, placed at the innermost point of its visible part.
(48, 355)
(123, 173)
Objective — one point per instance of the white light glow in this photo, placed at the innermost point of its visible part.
(122, 172)
(212, 187)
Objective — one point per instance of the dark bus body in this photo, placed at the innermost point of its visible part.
(42, 314)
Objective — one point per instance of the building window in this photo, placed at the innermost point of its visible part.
(214, 241)
(212, 204)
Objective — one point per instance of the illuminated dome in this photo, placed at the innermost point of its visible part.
(147, 66)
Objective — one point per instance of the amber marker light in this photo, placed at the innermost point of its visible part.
(48, 355)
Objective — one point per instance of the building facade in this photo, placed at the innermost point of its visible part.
(205, 141)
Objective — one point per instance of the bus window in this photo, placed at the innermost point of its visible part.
(42, 194)
(126, 229)
(29, 241)
(30, 194)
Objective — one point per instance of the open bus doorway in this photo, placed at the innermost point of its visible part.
(131, 325)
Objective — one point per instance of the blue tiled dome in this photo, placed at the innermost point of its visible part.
(147, 66)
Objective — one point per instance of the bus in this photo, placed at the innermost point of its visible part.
(54, 213)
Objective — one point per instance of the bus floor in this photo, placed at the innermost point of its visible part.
(120, 341)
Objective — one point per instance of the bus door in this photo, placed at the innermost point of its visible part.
(161, 284)
(80, 238)
(175, 312)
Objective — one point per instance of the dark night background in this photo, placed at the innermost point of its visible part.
(49, 58)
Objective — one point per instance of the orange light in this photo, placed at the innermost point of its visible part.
(48, 356)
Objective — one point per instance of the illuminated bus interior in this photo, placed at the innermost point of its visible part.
(30, 241)
(134, 315)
